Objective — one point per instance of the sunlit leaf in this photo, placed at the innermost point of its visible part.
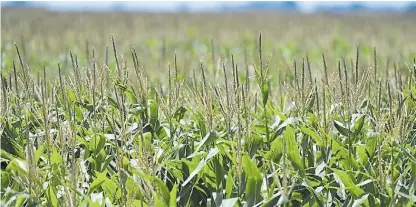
(349, 184)
(292, 150)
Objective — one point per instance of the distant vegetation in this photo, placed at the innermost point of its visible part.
(249, 6)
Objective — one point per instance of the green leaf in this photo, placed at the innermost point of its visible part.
(313, 135)
(51, 195)
(17, 165)
(265, 91)
(363, 158)
(217, 198)
(253, 181)
(55, 157)
(360, 201)
(346, 161)
(159, 202)
(200, 120)
(371, 146)
(256, 142)
(173, 195)
(71, 95)
(9, 141)
(112, 102)
(201, 164)
(316, 195)
(153, 112)
(5, 179)
(229, 202)
(212, 152)
(292, 150)
(229, 185)
(5, 155)
(78, 113)
(133, 190)
(276, 150)
(139, 203)
(112, 191)
(272, 201)
(358, 123)
(107, 162)
(219, 172)
(341, 128)
(407, 153)
(130, 95)
(180, 113)
(98, 181)
(20, 200)
(349, 184)
(39, 153)
(163, 189)
(96, 143)
(96, 199)
(209, 138)
(288, 121)
(409, 197)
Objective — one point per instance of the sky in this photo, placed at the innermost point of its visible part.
(196, 5)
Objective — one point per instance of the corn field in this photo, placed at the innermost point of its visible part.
(211, 109)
